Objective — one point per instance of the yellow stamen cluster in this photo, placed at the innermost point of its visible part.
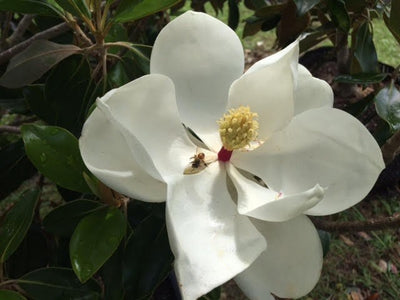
(238, 128)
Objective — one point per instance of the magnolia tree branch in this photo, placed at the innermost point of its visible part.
(357, 226)
(20, 31)
(9, 129)
(44, 35)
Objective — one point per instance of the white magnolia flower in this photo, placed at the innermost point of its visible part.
(276, 122)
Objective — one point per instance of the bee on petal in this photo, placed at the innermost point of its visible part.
(198, 163)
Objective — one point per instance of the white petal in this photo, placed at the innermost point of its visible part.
(262, 203)
(107, 155)
(326, 146)
(291, 52)
(268, 90)
(202, 56)
(146, 113)
(211, 242)
(292, 264)
(311, 92)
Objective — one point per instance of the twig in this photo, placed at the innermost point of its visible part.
(20, 31)
(9, 129)
(357, 226)
(79, 32)
(44, 35)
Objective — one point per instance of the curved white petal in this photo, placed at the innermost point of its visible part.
(311, 92)
(326, 146)
(202, 56)
(211, 242)
(107, 155)
(145, 112)
(262, 203)
(268, 90)
(292, 264)
(291, 53)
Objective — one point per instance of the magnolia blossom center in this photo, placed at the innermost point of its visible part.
(238, 128)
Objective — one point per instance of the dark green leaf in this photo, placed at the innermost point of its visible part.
(15, 167)
(68, 94)
(29, 65)
(77, 8)
(58, 283)
(339, 14)
(304, 6)
(393, 22)
(363, 78)
(314, 38)
(365, 51)
(34, 96)
(233, 17)
(29, 7)
(325, 238)
(291, 25)
(17, 222)
(117, 75)
(147, 259)
(131, 10)
(55, 153)
(387, 103)
(252, 27)
(137, 61)
(360, 106)
(34, 252)
(13, 100)
(264, 19)
(63, 219)
(112, 276)
(10, 295)
(94, 240)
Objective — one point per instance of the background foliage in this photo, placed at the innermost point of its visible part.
(63, 234)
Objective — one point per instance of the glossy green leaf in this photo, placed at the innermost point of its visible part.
(303, 6)
(15, 167)
(64, 219)
(58, 283)
(393, 21)
(10, 295)
(77, 8)
(29, 7)
(363, 78)
(131, 10)
(94, 240)
(17, 222)
(387, 103)
(148, 258)
(365, 51)
(29, 65)
(339, 14)
(55, 153)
